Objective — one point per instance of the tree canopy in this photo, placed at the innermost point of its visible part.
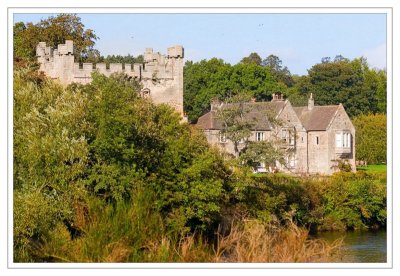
(53, 30)
(253, 58)
(214, 78)
(352, 83)
(371, 138)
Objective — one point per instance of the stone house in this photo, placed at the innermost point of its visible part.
(316, 138)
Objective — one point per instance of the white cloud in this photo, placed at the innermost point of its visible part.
(376, 57)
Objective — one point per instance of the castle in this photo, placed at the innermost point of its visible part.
(160, 75)
(316, 139)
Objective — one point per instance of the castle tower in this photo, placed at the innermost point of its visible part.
(58, 63)
(160, 75)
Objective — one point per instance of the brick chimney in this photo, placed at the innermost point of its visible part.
(215, 104)
(277, 97)
(310, 103)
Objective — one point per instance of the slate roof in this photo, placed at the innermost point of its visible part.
(317, 118)
(255, 112)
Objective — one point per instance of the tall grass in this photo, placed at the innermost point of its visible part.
(256, 242)
(133, 233)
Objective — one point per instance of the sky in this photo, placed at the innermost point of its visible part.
(300, 40)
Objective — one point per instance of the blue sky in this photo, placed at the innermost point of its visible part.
(300, 40)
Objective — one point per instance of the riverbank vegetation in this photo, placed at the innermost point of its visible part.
(100, 178)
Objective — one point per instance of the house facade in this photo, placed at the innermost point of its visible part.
(316, 139)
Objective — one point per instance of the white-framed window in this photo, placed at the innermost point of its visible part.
(343, 139)
(259, 136)
(222, 137)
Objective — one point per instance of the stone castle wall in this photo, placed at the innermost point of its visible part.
(160, 75)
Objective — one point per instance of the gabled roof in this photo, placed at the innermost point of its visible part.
(254, 112)
(318, 118)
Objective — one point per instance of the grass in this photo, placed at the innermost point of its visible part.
(116, 238)
(373, 168)
(263, 243)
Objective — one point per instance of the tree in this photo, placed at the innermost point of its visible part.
(214, 78)
(204, 81)
(351, 83)
(257, 80)
(129, 59)
(236, 127)
(82, 145)
(281, 73)
(371, 134)
(54, 30)
(253, 58)
(50, 158)
(263, 152)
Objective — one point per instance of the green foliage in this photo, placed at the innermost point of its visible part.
(343, 165)
(253, 58)
(266, 152)
(352, 83)
(371, 135)
(102, 140)
(281, 73)
(355, 201)
(53, 30)
(50, 157)
(120, 232)
(136, 142)
(206, 80)
(343, 201)
(235, 125)
(128, 59)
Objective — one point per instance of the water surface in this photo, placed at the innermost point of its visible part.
(359, 246)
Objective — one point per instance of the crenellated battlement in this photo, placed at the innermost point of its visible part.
(160, 75)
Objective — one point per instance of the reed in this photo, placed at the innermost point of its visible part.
(255, 242)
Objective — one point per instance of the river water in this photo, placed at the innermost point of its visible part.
(359, 246)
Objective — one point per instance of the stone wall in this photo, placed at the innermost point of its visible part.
(160, 75)
(318, 145)
(290, 121)
(340, 123)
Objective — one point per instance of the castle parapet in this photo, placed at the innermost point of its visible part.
(175, 52)
(160, 75)
(116, 67)
(67, 48)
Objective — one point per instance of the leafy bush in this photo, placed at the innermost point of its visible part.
(371, 136)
